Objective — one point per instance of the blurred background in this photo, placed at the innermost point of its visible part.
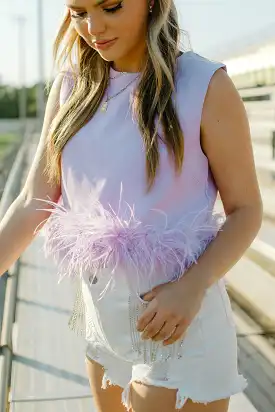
(40, 370)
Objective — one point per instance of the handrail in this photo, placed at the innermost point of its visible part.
(9, 281)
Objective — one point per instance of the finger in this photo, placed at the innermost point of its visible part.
(146, 318)
(165, 332)
(178, 334)
(153, 327)
(148, 296)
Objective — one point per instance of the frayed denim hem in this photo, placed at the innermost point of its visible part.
(126, 397)
(182, 395)
(128, 373)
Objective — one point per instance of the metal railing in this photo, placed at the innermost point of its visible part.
(260, 105)
(9, 281)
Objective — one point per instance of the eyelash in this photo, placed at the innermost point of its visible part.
(112, 10)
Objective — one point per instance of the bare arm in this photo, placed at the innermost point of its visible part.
(19, 223)
(226, 142)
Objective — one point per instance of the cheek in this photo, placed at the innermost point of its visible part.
(133, 29)
(135, 18)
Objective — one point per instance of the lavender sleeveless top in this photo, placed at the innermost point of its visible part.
(105, 218)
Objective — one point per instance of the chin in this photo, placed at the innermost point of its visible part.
(110, 55)
(107, 56)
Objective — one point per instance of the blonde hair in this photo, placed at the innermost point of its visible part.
(153, 95)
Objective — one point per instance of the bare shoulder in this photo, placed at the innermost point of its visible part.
(54, 95)
(36, 184)
(224, 118)
(52, 108)
(221, 90)
(226, 141)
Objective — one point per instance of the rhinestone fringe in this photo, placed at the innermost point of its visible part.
(77, 321)
(149, 350)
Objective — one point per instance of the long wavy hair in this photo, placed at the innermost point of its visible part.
(152, 99)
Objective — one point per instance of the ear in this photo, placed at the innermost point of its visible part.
(151, 5)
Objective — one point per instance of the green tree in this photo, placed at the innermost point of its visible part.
(9, 97)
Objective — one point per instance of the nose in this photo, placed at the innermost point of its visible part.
(95, 26)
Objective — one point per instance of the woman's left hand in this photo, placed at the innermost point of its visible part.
(172, 308)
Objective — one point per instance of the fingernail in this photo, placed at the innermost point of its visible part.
(144, 336)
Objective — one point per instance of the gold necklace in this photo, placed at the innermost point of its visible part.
(104, 106)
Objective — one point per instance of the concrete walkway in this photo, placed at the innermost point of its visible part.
(49, 358)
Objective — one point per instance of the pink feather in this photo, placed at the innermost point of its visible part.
(94, 238)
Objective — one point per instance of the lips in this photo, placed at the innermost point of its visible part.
(104, 44)
(103, 41)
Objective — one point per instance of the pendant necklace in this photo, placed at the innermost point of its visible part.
(104, 106)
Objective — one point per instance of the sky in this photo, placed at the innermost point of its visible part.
(211, 25)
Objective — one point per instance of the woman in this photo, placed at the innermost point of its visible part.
(137, 140)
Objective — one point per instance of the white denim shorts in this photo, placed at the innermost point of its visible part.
(202, 366)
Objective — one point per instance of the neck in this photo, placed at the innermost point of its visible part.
(132, 63)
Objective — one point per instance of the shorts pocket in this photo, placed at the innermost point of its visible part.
(190, 345)
(142, 301)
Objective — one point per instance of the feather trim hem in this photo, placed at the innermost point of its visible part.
(96, 238)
